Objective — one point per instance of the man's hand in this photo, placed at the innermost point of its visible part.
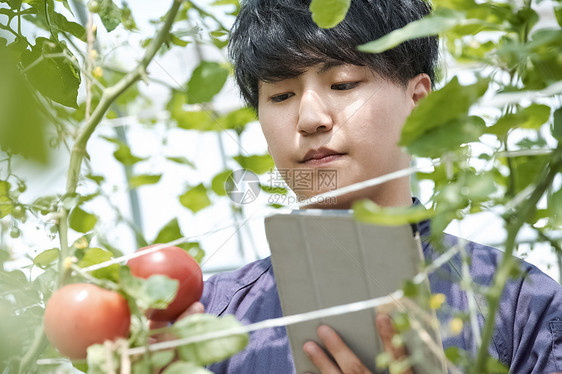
(344, 360)
(195, 308)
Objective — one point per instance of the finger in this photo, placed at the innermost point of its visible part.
(387, 332)
(320, 359)
(195, 308)
(345, 358)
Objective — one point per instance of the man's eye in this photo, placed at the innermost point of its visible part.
(282, 97)
(344, 86)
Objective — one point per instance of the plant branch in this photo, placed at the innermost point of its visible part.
(109, 95)
(514, 221)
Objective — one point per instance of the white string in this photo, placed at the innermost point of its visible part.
(274, 322)
(364, 184)
(338, 192)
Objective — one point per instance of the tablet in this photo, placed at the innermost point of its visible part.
(325, 258)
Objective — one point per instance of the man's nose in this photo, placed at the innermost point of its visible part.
(314, 114)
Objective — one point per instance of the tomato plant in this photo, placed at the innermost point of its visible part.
(80, 314)
(174, 263)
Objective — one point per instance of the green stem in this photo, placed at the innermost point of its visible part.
(38, 345)
(514, 223)
(110, 94)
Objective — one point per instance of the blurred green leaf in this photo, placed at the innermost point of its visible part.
(20, 114)
(110, 14)
(81, 221)
(182, 160)
(218, 182)
(369, 212)
(6, 205)
(161, 358)
(182, 367)
(95, 256)
(140, 180)
(4, 256)
(440, 107)
(206, 81)
(558, 13)
(440, 140)
(557, 124)
(50, 70)
(531, 117)
(210, 351)
(439, 21)
(555, 206)
(328, 13)
(258, 164)
(237, 119)
(170, 231)
(195, 198)
(155, 292)
(46, 257)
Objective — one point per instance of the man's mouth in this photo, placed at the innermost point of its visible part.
(321, 156)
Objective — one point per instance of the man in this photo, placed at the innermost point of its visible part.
(323, 104)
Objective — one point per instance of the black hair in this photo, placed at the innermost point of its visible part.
(277, 39)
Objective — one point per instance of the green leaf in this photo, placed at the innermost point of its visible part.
(6, 205)
(20, 114)
(181, 367)
(210, 351)
(258, 164)
(195, 198)
(328, 13)
(81, 221)
(46, 257)
(437, 22)
(237, 119)
(206, 81)
(369, 212)
(4, 256)
(440, 140)
(218, 182)
(95, 256)
(531, 117)
(155, 292)
(495, 366)
(170, 231)
(557, 124)
(140, 180)
(558, 13)
(110, 14)
(97, 359)
(123, 155)
(440, 107)
(182, 160)
(555, 207)
(161, 358)
(55, 77)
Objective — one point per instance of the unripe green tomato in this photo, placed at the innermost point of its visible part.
(15, 233)
(94, 6)
(18, 212)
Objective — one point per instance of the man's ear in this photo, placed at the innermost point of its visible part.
(419, 87)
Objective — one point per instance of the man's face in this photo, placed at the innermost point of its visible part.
(335, 125)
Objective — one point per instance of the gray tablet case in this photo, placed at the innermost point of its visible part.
(324, 258)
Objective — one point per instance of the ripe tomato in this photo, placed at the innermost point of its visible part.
(175, 263)
(80, 314)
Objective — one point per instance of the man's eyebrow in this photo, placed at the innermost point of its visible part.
(329, 65)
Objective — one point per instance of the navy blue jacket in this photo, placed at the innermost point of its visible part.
(528, 329)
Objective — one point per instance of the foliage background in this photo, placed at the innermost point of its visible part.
(156, 164)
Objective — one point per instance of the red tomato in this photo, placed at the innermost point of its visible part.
(80, 314)
(175, 263)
